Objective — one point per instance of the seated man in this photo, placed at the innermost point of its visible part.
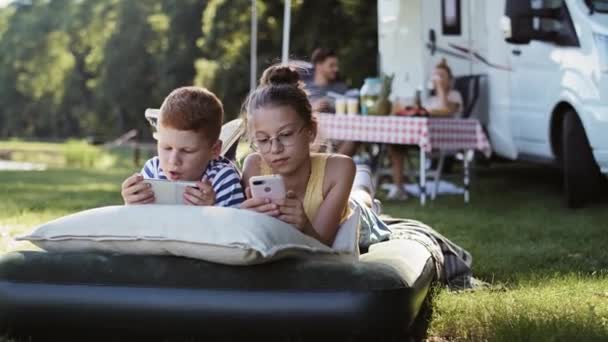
(325, 80)
(446, 102)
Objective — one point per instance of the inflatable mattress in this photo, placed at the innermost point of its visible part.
(381, 296)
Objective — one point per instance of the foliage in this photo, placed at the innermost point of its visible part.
(348, 26)
(90, 68)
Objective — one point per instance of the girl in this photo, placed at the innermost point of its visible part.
(282, 129)
(445, 102)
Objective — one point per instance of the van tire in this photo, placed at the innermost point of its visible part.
(582, 177)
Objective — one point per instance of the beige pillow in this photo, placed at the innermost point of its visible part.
(223, 235)
(347, 237)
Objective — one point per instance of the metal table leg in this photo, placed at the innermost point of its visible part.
(422, 183)
(466, 175)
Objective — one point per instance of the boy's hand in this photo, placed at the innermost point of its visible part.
(135, 191)
(292, 212)
(260, 205)
(203, 194)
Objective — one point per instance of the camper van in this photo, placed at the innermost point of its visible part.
(542, 66)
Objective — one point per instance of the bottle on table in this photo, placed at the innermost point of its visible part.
(370, 92)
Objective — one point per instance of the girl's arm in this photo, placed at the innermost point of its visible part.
(446, 106)
(339, 177)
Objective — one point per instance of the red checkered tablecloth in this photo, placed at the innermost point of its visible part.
(428, 133)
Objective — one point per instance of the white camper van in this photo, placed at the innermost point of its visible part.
(544, 66)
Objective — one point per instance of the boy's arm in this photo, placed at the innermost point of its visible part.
(227, 187)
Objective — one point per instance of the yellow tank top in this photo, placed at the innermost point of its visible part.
(314, 189)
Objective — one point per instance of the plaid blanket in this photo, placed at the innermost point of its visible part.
(453, 262)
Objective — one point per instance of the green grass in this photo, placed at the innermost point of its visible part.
(32, 146)
(70, 154)
(34, 197)
(548, 266)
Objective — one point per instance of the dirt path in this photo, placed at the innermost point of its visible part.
(9, 165)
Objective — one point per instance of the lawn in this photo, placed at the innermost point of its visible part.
(547, 266)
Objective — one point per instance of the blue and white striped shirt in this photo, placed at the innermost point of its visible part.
(221, 173)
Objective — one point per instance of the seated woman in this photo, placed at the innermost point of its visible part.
(282, 128)
(446, 102)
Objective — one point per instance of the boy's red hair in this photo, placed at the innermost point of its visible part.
(193, 109)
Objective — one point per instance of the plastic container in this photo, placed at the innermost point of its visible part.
(370, 92)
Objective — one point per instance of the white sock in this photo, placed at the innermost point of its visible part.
(363, 180)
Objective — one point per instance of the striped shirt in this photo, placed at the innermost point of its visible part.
(221, 173)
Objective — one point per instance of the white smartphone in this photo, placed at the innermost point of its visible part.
(169, 192)
(271, 187)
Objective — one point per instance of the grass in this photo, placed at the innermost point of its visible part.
(548, 266)
(34, 197)
(69, 154)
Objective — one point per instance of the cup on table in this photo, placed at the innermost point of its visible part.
(341, 105)
(352, 106)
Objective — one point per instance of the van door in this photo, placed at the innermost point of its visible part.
(535, 87)
(449, 20)
(490, 31)
(401, 45)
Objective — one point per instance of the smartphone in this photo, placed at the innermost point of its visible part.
(271, 187)
(169, 192)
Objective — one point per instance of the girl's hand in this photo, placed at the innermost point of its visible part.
(202, 195)
(260, 205)
(135, 191)
(292, 212)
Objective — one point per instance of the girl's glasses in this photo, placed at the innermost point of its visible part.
(285, 139)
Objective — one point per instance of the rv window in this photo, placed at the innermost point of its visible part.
(597, 5)
(450, 17)
(544, 20)
(538, 4)
(559, 29)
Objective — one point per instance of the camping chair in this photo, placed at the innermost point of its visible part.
(469, 87)
(230, 134)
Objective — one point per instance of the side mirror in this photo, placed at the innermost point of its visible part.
(520, 19)
(517, 23)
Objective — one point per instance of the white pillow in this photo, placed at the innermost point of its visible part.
(347, 237)
(223, 235)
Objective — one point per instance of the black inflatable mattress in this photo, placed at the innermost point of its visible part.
(93, 295)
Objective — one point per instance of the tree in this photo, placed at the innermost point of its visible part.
(79, 68)
(129, 76)
(348, 26)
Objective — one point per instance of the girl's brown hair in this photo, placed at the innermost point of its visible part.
(280, 85)
(444, 65)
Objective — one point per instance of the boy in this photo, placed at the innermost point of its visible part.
(188, 132)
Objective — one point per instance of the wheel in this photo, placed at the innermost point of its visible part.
(582, 176)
